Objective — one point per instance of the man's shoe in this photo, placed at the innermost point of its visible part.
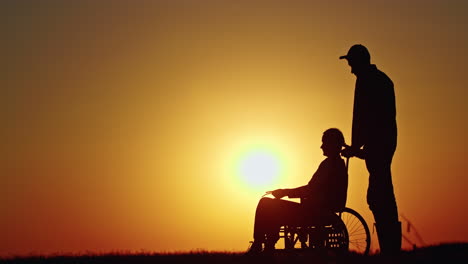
(389, 235)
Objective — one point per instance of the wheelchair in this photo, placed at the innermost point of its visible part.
(342, 231)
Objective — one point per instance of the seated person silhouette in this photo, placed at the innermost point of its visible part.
(325, 192)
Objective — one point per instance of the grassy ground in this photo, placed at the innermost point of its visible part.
(445, 253)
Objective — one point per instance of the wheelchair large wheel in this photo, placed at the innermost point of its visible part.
(358, 231)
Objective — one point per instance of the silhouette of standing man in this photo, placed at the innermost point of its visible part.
(374, 139)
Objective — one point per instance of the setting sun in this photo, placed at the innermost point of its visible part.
(160, 125)
(259, 169)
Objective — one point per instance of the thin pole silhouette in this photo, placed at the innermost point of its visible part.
(408, 229)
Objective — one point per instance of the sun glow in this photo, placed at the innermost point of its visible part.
(259, 169)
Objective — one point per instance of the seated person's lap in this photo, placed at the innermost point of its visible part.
(293, 213)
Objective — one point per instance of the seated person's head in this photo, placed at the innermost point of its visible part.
(332, 142)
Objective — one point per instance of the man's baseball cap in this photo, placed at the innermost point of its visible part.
(357, 53)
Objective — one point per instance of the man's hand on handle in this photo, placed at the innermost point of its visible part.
(350, 151)
(347, 152)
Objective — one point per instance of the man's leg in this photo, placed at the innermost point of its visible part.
(381, 200)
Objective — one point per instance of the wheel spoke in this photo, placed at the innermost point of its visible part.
(358, 232)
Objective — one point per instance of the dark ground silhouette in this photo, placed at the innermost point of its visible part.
(443, 253)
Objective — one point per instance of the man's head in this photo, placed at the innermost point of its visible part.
(332, 142)
(358, 58)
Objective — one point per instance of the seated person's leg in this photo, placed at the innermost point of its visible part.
(271, 214)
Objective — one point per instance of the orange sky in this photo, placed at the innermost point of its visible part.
(124, 125)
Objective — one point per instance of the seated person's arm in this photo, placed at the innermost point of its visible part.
(291, 193)
(299, 192)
